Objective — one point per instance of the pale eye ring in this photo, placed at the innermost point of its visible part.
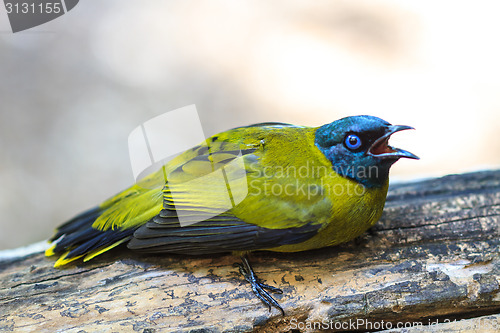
(352, 141)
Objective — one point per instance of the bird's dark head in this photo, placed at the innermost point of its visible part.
(358, 148)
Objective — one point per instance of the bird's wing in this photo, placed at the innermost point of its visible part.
(201, 195)
(223, 233)
(205, 184)
(136, 205)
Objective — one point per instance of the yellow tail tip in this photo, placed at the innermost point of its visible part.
(64, 261)
(99, 251)
(50, 251)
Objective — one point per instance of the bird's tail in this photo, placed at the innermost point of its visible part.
(77, 238)
(110, 224)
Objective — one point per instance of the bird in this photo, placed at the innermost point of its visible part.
(263, 187)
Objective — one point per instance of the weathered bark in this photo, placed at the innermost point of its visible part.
(433, 257)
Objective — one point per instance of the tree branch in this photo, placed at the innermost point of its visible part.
(433, 257)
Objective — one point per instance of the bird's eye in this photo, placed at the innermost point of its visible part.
(352, 142)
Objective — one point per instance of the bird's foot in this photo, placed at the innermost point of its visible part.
(258, 287)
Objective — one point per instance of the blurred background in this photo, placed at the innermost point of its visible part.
(72, 90)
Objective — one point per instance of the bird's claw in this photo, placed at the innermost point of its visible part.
(258, 287)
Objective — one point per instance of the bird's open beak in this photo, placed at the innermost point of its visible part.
(381, 149)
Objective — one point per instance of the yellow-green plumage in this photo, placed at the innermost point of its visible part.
(290, 196)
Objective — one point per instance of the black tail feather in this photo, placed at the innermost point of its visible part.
(79, 222)
(79, 237)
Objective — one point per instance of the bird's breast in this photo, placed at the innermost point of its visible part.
(352, 209)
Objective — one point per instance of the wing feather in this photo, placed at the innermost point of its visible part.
(205, 206)
(216, 235)
(196, 218)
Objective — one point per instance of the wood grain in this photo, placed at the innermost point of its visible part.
(433, 259)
